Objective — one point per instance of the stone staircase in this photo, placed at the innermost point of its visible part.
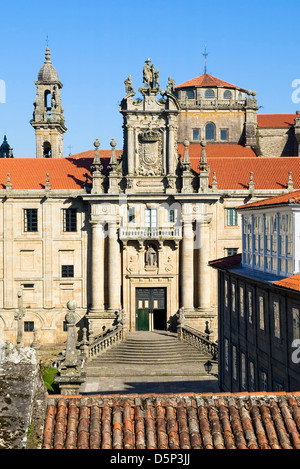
(149, 353)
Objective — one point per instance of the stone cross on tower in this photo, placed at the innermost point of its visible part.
(205, 54)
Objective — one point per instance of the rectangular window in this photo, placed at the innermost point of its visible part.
(242, 302)
(226, 355)
(196, 134)
(250, 307)
(172, 216)
(234, 363)
(70, 219)
(28, 326)
(226, 292)
(276, 313)
(233, 297)
(224, 134)
(296, 324)
(30, 219)
(130, 215)
(263, 380)
(261, 313)
(243, 371)
(150, 218)
(231, 251)
(251, 377)
(67, 270)
(232, 219)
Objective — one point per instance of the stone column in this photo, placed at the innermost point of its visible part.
(130, 150)
(204, 271)
(114, 268)
(97, 261)
(171, 146)
(187, 267)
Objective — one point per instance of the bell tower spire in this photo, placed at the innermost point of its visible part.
(48, 119)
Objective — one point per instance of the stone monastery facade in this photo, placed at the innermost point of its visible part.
(130, 232)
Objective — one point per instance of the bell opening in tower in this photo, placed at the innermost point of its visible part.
(47, 150)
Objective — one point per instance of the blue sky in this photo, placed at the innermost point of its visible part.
(95, 45)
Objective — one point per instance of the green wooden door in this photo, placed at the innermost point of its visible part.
(142, 321)
(150, 302)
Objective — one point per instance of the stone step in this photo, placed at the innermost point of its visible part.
(148, 348)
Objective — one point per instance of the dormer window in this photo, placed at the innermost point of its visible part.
(209, 94)
(227, 94)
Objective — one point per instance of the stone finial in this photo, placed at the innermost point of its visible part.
(47, 185)
(8, 185)
(203, 159)
(290, 184)
(251, 184)
(47, 55)
(186, 157)
(113, 158)
(96, 165)
(214, 184)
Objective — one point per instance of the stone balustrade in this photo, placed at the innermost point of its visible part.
(213, 103)
(162, 233)
(106, 340)
(198, 339)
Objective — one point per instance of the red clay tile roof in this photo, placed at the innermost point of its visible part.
(289, 198)
(292, 283)
(206, 80)
(231, 163)
(228, 262)
(189, 421)
(275, 120)
(219, 150)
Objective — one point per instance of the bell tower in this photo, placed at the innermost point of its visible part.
(48, 119)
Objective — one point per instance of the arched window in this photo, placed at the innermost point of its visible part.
(47, 100)
(47, 150)
(227, 94)
(210, 131)
(209, 94)
(240, 96)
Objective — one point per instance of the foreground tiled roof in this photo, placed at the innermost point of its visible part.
(275, 120)
(289, 198)
(207, 80)
(291, 283)
(190, 421)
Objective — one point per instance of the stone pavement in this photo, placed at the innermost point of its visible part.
(144, 384)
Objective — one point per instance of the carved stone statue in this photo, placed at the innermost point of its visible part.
(128, 86)
(148, 74)
(151, 257)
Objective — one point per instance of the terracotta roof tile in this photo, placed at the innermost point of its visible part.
(207, 80)
(275, 120)
(289, 198)
(292, 282)
(188, 421)
(231, 163)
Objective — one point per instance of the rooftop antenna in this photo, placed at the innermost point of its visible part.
(205, 54)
